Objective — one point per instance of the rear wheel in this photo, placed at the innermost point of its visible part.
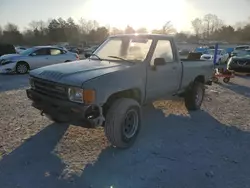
(123, 122)
(194, 96)
(22, 68)
(226, 80)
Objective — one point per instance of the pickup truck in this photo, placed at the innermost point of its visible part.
(109, 87)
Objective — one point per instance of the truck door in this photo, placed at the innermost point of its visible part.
(163, 80)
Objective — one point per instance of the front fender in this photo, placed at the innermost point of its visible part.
(133, 77)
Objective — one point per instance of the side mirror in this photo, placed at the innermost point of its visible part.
(33, 54)
(159, 62)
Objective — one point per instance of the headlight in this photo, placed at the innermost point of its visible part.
(79, 95)
(32, 84)
(6, 61)
(75, 94)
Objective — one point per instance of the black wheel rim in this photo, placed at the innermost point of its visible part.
(131, 123)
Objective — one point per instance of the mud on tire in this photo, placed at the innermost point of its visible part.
(123, 122)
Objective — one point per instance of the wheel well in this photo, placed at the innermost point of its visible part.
(200, 79)
(131, 93)
(23, 62)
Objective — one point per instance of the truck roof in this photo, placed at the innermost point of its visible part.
(152, 36)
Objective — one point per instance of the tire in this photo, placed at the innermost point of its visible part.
(226, 80)
(194, 96)
(215, 80)
(118, 133)
(22, 68)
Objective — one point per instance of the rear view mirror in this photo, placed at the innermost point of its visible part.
(159, 61)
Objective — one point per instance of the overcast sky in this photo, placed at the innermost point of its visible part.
(119, 13)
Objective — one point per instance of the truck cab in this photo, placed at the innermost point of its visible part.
(109, 88)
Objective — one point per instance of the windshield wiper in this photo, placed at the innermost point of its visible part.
(120, 58)
(96, 56)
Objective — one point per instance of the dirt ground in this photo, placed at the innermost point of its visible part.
(177, 149)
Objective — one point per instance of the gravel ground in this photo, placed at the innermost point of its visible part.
(177, 149)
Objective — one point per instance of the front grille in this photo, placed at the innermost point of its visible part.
(241, 62)
(50, 89)
(206, 57)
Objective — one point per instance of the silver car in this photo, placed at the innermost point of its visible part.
(35, 57)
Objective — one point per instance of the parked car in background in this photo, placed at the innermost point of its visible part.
(184, 52)
(200, 50)
(35, 57)
(73, 49)
(89, 51)
(229, 51)
(222, 55)
(7, 49)
(240, 62)
(20, 49)
(237, 49)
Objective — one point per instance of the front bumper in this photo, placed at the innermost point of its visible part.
(88, 116)
(8, 68)
(240, 69)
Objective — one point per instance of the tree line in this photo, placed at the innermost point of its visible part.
(210, 27)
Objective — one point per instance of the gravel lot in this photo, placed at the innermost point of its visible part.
(177, 149)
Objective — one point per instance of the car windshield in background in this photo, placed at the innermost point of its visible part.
(242, 47)
(244, 53)
(132, 49)
(27, 52)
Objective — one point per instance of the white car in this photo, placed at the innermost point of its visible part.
(20, 49)
(222, 55)
(35, 57)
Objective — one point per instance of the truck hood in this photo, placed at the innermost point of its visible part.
(77, 72)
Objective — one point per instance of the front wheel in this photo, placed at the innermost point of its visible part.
(22, 68)
(123, 122)
(194, 96)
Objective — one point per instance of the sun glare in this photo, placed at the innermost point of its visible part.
(140, 13)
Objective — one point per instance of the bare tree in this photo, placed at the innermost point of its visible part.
(87, 26)
(168, 28)
(197, 27)
(116, 31)
(211, 24)
(142, 30)
(11, 28)
(129, 30)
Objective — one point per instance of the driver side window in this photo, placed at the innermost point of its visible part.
(163, 49)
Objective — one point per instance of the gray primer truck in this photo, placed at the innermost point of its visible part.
(109, 87)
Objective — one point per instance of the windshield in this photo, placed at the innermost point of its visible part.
(131, 48)
(244, 53)
(241, 47)
(27, 52)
